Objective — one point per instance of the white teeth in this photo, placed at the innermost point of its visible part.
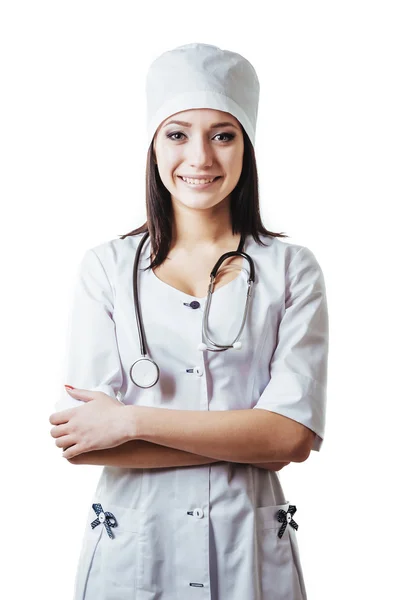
(197, 181)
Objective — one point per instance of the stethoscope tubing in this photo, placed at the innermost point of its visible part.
(217, 347)
(139, 320)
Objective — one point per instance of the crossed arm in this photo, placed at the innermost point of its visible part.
(140, 454)
(176, 438)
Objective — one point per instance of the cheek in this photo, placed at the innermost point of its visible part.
(234, 161)
(167, 174)
(235, 169)
(168, 168)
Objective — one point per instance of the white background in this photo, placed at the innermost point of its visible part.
(73, 151)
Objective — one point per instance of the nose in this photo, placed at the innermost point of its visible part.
(199, 152)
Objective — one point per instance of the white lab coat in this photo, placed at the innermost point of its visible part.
(206, 532)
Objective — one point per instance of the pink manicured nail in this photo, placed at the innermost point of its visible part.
(69, 386)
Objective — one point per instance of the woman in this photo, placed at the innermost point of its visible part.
(189, 504)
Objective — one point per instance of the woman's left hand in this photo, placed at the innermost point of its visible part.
(99, 423)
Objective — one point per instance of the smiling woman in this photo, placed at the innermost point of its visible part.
(180, 452)
(232, 198)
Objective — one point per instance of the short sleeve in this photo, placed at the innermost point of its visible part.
(298, 369)
(92, 359)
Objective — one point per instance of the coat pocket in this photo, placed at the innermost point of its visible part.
(278, 558)
(111, 563)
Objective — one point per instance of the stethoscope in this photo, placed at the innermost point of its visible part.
(144, 372)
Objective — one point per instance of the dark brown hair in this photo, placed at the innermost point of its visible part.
(244, 206)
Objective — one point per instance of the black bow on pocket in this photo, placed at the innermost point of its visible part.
(285, 517)
(104, 517)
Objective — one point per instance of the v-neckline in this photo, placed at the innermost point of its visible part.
(176, 291)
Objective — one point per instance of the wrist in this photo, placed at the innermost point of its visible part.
(134, 422)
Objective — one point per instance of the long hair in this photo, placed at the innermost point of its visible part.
(244, 206)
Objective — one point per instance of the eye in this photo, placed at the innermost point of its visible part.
(230, 136)
(170, 135)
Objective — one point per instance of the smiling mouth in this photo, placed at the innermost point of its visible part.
(200, 185)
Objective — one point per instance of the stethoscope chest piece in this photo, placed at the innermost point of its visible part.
(144, 372)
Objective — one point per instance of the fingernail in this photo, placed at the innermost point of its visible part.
(69, 386)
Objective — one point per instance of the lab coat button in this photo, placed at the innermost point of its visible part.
(193, 304)
(289, 517)
(101, 517)
(199, 513)
(198, 371)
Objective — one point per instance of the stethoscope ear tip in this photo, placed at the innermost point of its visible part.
(237, 345)
(202, 347)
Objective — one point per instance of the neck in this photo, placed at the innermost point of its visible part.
(203, 230)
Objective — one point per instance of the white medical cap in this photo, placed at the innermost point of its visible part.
(202, 76)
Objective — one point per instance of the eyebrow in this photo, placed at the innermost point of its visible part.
(213, 126)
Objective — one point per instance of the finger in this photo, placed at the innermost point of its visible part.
(80, 394)
(71, 451)
(65, 441)
(56, 432)
(62, 416)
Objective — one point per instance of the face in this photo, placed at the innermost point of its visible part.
(208, 144)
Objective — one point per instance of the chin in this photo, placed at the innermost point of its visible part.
(200, 204)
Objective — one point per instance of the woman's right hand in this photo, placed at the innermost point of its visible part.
(271, 466)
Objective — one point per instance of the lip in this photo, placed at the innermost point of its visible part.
(208, 176)
(200, 186)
